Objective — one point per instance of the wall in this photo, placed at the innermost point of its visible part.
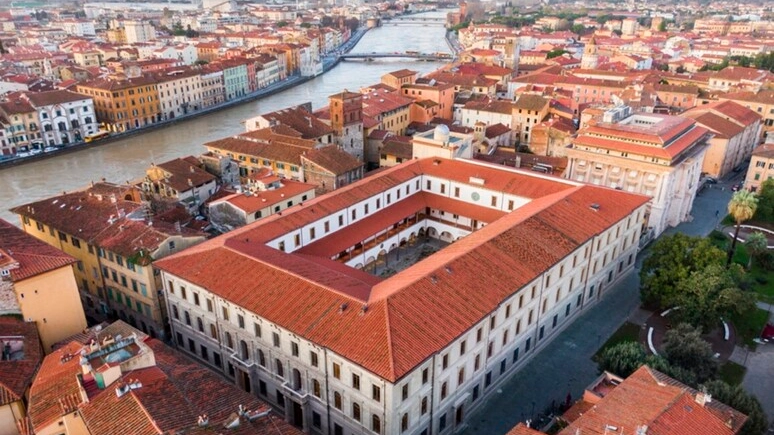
(51, 301)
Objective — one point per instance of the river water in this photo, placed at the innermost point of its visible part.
(127, 159)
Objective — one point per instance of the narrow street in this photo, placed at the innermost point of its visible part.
(564, 365)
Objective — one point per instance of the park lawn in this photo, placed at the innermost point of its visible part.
(732, 373)
(750, 326)
(627, 332)
(763, 280)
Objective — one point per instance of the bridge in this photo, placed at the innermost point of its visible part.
(410, 20)
(412, 55)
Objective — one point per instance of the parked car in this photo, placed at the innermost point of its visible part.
(710, 180)
(736, 187)
(49, 149)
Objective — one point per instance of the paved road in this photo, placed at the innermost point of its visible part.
(565, 365)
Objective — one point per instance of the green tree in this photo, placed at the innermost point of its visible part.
(756, 244)
(741, 208)
(672, 259)
(683, 347)
(662, 26)
(710, 294)
(282, 23)
(737, 398)
(578, 29)
(555, 53)
(765, 210)
(622, 359)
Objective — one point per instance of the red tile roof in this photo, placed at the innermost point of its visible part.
(16, 375)
(332, 159)
(393, 336)
(33, 256)
(185, 173)
(667, 407)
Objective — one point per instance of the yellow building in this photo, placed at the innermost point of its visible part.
(390, 110)
(104, 228)
(124, 104)
(38, 283)
(761, 167)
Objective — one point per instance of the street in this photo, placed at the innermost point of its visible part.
(564, 365)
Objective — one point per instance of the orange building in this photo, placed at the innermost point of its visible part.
(124, 104)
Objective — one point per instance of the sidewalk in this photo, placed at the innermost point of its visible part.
(564, 365)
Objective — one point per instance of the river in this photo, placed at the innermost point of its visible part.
(127, 159)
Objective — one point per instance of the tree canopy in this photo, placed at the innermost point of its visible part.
(710, 294)
(672, 259)
(737, 398)
(741, 208)
(765, 210)
(683, 347)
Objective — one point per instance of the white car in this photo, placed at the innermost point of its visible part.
(49, 149)
(35, 151)
(23, 154)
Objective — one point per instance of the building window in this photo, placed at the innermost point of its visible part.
(313, 358)
(257, 330)
(355, 381)
(280, 368)
(275, 339)
(213, 331)
(404, 423)
(376, 393)
(316, 388)
(294, 348)
(405, 392)
(444, 390)
(356, 411)
(376, 424)
(241, 321)
(336, 371)
(425, 376)
(423, 406)
(229, 341)
(337, 400)
(445, 362)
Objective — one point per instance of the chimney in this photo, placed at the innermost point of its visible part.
(703, 397)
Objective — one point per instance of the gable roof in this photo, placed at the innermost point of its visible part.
(33, 256)
(333, 159)
(408, 316)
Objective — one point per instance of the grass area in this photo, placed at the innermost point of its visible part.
(627, 332)
(732, 373)
(750, 326)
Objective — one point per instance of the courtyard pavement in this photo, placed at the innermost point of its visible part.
(564, 365)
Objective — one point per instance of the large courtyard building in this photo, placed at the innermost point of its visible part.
(331, 312)
(660, 156)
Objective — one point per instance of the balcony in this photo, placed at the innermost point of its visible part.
(246, 363)
(297, 394)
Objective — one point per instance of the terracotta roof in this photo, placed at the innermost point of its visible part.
(531, 102)
(55, 390)
(667, 407)
(109, 84)
(722, 127)
(260, 200)
(185, 173)
(265, 145)
(40, 99)
(398, 148)
(496, 106)
(332, 159)
(765, 150)
(300, 120)
(730, 111)
(393, 335)
(33, 256)
(402, 73)
(16, 375)
(521, 429)
(173, 394)
(496, 130)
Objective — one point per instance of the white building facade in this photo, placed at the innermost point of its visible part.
(327, 392)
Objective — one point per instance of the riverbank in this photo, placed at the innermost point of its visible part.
(329, 62)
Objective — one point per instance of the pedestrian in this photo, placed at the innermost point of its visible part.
(717, 213)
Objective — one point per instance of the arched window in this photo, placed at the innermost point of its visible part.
(213, 331)
(356, 411)
(62, 126)
(200, 324)
(337, 400)
(261, 358)
(404, 423)
(243, 350)
(316, 388)
(229, 341)
(296, 379)
(376, 424)
(187, 318)
(280, 369)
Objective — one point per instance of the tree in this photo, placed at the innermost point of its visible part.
(555, 53)
(738, 399)
(756, 244)
(282, 23)
(578, 29)
(622, 359)
(710, 294)
(662, 26)
(674, 258)
(683, 347)
(765, 210)
(742, 208)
